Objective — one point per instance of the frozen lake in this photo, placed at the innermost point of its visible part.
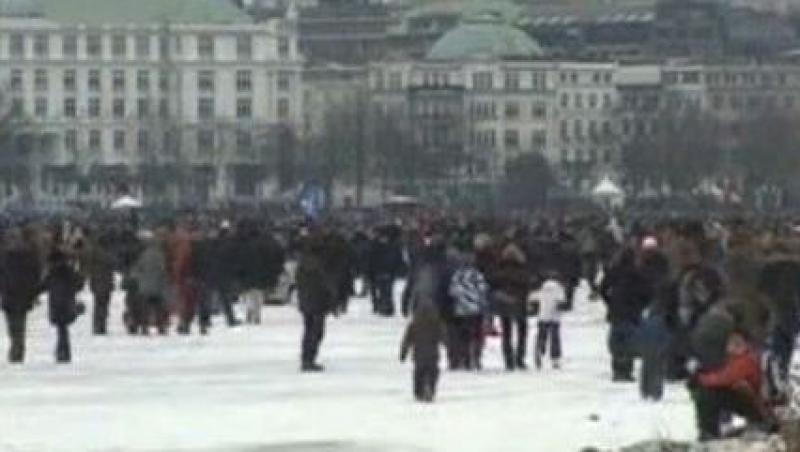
(240, 390)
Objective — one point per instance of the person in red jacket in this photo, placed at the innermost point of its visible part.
(733, 388)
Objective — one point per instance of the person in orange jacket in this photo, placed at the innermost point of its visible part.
(734, 388)
(180, 255)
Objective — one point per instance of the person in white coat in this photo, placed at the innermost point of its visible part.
(549, 297)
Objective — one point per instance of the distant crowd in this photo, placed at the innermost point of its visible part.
(712, 302)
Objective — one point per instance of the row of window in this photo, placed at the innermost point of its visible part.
(739, 102)
(511, 139)
(481, 81)
(591, 155)
(643, 127)
(437, 109)
(119, 110)
(638, 127)
(206, 80)
(480, 110)
(512, 110)
(645, 102)
(724, 78)
(93, 46)
(576, 78)
(586, 100)
(207, 140)
(395, 81)
(585, 129)
(439, 136)
(485, 81)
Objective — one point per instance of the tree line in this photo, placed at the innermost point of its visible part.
(683, 149)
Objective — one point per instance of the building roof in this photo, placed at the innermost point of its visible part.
(604, 12)
(18, 8)
(503, 9)
(101, 12)
(485, 40)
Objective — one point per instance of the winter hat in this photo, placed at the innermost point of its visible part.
(513, 253)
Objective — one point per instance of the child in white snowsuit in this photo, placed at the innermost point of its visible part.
(253, 300)
(550, 297)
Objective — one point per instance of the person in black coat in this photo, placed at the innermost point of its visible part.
(654, 334)
(625, 292)
(696, 289)
(317, 291)
(223, 272)
(339, 259)
(569, 266)
(431, 256)
(127, 247)
(258, 260)
(20, 282)
(424, 336)
(432, 270)
(62, 285)
(360, 246)
(200, 282)
(510, 283)
(261, 259)
(780, 281)
(386, 263)
(98, 264)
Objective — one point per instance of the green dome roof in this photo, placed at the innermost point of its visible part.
(485, 40)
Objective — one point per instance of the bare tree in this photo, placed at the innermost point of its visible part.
(766, 149)
(528, 180)
(24, 147)
(362, 143)
(677, 147)
(286, 145)
(338, 154)
(390, 145)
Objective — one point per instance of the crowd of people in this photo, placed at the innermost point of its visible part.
(710, 303)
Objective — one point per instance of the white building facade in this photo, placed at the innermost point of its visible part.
(167, 108)
(563, 111)
(581, 115)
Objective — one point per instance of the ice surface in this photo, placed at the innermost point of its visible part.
(240, 390)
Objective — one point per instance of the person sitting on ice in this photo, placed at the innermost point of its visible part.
(551, 298)
(733, 388)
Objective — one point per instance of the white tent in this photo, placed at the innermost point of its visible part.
(710, 188)
(402, 200)
(607, 189)
(608, 193)
(126, 202)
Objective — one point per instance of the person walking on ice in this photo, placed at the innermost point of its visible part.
(424, 336)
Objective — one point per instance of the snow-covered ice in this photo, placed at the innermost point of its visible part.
(240, 390)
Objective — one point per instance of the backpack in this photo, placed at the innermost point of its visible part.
(469, 290)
